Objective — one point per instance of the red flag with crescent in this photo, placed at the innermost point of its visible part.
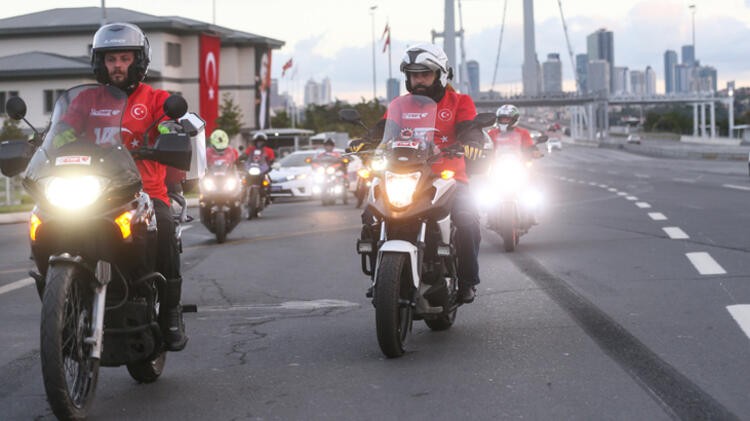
(210, 50)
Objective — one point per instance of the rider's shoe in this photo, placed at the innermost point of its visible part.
(466, 295)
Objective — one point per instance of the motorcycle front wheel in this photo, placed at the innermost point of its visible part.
(252, 203)
(69, 372)
(508, 231)
(220, 227)
(393, 312)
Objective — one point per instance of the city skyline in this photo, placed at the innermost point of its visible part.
(337, 36)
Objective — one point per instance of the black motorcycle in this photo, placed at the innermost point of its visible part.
(221, 199)
(331, 181)
(93, 240)
(257, 184)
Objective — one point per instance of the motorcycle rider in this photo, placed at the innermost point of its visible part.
(120, 56)
(428, 74)
(220, 151)
(328, 146)
(260, 140)
(506, 132)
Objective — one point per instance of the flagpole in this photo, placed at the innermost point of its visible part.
(374, 86)
(390, 74)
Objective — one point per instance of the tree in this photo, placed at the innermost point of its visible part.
(11, 131)
(325, 118)
(230, 116)
(281, 119)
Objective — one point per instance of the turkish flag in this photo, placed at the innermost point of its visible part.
(210, 50)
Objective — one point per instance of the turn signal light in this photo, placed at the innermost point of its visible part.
(34, 224)
(447, 174)
(265, 183)
(123, 221)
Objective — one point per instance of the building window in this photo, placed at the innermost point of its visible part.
(50, 96)
(4, 96)
(174, 54)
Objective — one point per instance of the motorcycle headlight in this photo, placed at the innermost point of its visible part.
(231, 184)
(378, 164)
(74, 193)
(330, 170)
(509, 174)
(400, 188)
(363, 173)
(208, 184)
(254, 171)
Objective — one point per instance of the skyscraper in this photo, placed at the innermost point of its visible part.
(582, 70)
(688, 55)
(312, 93)
(601, 46)
(670, 61)
(637, 82)
(472, 69)
(392, 88)
(683, 78)
(325, 91)
(621, 81)
(598, 77)
(552, 74)
(650, 81)
(530, 68)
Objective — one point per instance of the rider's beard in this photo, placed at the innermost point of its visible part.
(420, 89)
(119, 79)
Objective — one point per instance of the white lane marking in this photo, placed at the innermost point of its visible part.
(732, 186)
(643, 205)
(622, 193)
(657, 216)
(604, 186)
(642, 176)
(675, 233)
(684, 180)
(612, 189)
(632, 198)
(581, 182)
(705, 264)
(741, 314)
(287, 305)
(16, 285)
(592, 183)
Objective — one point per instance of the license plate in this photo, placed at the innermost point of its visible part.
(275, 188)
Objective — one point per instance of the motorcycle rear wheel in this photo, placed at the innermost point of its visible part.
(220, 227)
(69, 372)
(148, 371)
(393, 314)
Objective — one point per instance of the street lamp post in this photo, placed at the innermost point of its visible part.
(692, 8)
(374, 86)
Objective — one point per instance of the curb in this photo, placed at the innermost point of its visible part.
(684, 152)
(23, 217)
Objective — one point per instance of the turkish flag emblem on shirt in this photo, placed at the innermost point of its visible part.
(210, 49)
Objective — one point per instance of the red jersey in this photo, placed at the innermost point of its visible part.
(229, 156)
(452, 109)
(518, 136)
(270, 156)
(96, 114)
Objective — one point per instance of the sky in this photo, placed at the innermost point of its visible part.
(334, 38)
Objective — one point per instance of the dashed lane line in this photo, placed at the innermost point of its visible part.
(631, 198)
(735, 187)
(675, 233)
(657, 216)
(643, 205)
(16, 285)
(622, 193)
(741, 314)
(705, 264)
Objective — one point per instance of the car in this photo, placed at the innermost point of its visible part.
(554, 143)
(634, 139)
(292, 175)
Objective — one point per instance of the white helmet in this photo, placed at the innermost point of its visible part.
(423, 57)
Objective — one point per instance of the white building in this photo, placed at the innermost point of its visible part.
(318, 93)
(552, 74)
(621, 85)
(637, 82)
(598, 77)
(46, 52)
(650, 81)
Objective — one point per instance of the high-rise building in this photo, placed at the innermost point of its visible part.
(650, 81)
(325, 91)
(598, 77)
(582, 69)
(670, 61)
(472, 70)
(530, 68)
(688, 55)
(601, 46)
(621, 81)
(707, 79)
(318, 93)
(683, 78)
(637, 82)
(552, 74)
(392, 88)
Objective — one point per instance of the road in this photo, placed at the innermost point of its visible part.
(627, 302)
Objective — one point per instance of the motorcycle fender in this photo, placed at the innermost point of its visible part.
(445, 229)
(401, 246)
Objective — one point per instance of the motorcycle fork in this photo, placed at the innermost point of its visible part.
(103, 276)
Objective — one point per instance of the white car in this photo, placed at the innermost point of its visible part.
(292, 176)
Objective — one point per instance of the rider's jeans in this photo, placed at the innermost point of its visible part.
(465, 217)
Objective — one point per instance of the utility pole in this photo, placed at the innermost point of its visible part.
(374, 86)
(692, 8)
(104, 13)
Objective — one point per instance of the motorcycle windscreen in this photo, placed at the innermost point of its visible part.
(408, 138)
(85, 137)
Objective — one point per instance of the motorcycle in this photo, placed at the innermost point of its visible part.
(508, 194)
(221, 199)
(331, 181)
(256, 184)
(92, 236)
(408, 248)
(365, 176)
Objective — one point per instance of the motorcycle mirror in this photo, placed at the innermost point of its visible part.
(350, 115)
(15, 156)
(175, 107)
(484, 119)
(16, 108)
